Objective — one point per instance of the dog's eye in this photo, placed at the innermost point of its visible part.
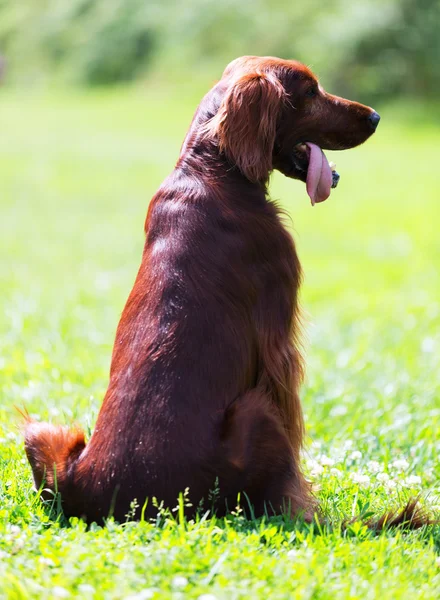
(311, 92)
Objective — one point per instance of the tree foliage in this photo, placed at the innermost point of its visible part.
(375, 47)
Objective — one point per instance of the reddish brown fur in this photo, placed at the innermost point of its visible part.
(206, 365)
(246, 122)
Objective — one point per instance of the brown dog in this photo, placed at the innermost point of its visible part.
(206, 366)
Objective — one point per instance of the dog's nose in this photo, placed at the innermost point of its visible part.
(374, 119)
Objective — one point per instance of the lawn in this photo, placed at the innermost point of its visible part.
(77, 171)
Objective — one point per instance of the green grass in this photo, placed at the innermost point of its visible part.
(77, 172)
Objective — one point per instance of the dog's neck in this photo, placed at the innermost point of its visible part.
(207, 108)
(197, 144)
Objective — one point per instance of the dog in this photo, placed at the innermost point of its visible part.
(206, 366)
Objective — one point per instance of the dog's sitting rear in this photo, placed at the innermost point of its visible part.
(206, 365)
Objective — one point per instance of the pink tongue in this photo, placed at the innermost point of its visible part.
(319, 175)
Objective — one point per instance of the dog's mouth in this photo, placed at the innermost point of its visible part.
(320, 175)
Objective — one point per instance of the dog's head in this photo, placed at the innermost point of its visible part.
(275, 114)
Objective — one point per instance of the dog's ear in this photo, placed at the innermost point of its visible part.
(246, 123)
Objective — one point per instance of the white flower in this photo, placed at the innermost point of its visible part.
(361, 479)
(207, 597)
(86, 588)
(428, 345)
(400, 464)
(389, 389)
(356, 455)
(338, 411)
(437, 561)
(390, 484)
(60, 592)
(413, 480)
(46, 561)
(326, 461)
(383, 477)
(373, 466)
(315, 468)
(292, 554)
(142, 595)
(316, 471)
(336, 472)
(343, 357)
(180, 581)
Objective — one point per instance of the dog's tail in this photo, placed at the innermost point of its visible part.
(412, 516)
(52, 452)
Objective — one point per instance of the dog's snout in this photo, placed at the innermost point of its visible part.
(374, 119)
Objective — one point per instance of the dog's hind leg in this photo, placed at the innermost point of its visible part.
(257, 445)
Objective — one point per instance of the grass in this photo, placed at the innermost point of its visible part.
(77, 172)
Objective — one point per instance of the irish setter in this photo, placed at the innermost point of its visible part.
(206, 365)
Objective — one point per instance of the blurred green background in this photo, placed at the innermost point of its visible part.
(97, 96)
(95, 100)
(375, 48)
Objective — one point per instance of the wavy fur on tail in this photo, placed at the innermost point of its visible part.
(412, 516)
(51, 451)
